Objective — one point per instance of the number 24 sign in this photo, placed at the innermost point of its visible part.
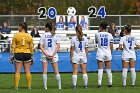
(93, 13)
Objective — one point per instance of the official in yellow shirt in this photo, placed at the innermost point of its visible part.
(22, 50)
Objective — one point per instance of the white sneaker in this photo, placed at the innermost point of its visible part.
(45, 88)
(29, 88)
(16, 88)
(59, 86)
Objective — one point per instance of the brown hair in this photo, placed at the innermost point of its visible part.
(51, 26)
(53, 29)
(79, 32)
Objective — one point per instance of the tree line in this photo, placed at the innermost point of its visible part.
(30, 7)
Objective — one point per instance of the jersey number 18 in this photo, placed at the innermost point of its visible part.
(104, 41)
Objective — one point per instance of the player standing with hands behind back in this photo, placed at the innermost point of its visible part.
(105, 46)
(50, 44)
(22, 50)
(128, 43)
(78, 55)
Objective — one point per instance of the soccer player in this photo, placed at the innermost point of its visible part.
(105, 46)
(127, 44)
(50, 44)
(22, 51)
(78, 55)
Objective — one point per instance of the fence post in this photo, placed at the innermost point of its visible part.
(120, 22)
(24, 19)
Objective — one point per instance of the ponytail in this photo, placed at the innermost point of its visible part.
(53, 29)
(79, 32)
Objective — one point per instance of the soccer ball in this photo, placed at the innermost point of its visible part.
(71, 11)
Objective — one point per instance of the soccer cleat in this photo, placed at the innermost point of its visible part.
(132, 85)
(124, 86)
(16, 88)
(109, 86)
(99, 86)
(85, 87)
(74, 87)
(45, 88)
(59, 87)
(29, 88)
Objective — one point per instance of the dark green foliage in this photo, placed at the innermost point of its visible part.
(29, 7)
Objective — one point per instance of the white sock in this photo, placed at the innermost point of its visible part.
(85, 78)
(124, 76)
(133, 75)
(109, 74)
(100, 75)
(74, 80)
(44, 77)
(59, 80)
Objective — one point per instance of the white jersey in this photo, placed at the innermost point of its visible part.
(103, 39)
(79, 46)
(128, 42)
(49, 42)
(79, 54)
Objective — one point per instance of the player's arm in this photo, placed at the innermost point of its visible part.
(57, 46)
(111, 47)
(71, 49)
(137, 45)
(56, 49)
(121, 44)
(96, 40)
(111, 43)
(71, 52)
(42, 47)
(13, 46)
(43, 50)
(86, 48)
(31, 46)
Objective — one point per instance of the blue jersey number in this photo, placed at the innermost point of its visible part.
(80, 45)
(104, 41)
(49, 42)
(130, 41)
(101, 12)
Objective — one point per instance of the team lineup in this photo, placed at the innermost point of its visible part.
(22, 51)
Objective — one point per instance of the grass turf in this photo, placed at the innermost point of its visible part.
(7, 84)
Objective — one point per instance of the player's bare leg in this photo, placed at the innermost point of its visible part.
(58, 77)
(133, 73)
(100, 73)
(85, 76)
(18, 66)
(44, 76)
(74, 76)
(124, 72)
(109, 73)
(28, 74)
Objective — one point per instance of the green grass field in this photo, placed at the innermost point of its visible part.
(7, 84)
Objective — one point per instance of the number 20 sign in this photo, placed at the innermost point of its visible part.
(93, 13)
(43, 13)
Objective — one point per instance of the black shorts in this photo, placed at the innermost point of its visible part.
(22, 57)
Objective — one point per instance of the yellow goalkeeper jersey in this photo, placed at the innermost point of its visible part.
(22, 43)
